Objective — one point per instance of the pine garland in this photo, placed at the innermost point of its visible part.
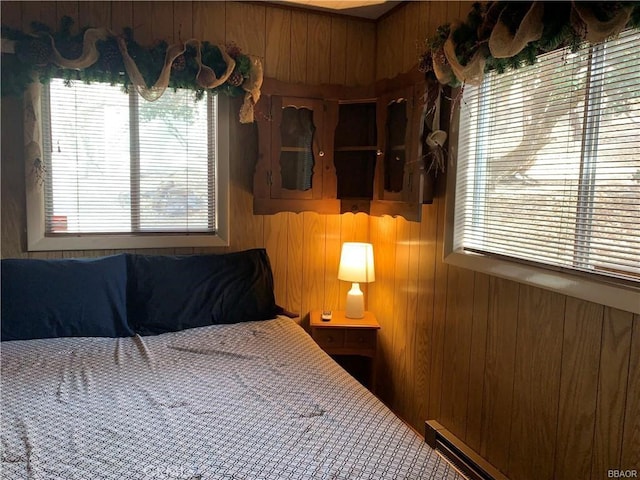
(473, 35)
(33, 53)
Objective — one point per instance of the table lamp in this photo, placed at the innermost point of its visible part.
(356, 265)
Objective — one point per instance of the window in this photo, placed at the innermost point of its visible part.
(548, 162)
(123, 172)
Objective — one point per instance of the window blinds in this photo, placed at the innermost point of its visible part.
(549, 161)
(118, 164)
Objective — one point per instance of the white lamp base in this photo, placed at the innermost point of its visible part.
(355, 302)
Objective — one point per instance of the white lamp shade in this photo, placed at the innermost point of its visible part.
(356, 263)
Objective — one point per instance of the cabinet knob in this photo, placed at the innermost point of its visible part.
(321, 153)
(379, 152)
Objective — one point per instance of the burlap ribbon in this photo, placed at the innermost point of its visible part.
(596, 30)
(205, 78)
(90, 54)
(252, 86)
(503, 44)
(441, 67)
(471, 73)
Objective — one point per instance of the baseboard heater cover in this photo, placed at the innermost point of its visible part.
(458, 453)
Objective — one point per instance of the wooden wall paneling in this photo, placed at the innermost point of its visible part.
(121, 16)
(437, 16)
(246, 229)
(457, 348)
(383, 238)
(386, 47)
(30, 13)
(43, 12)
(162, 21)
(277, 63)
(245, 25)
(536, 387)
(182, 21)
(424, 315)
(439, 316)
(68, 9)
(578, 389)
(413, 293)
(631, 437)
(477, 358)
(502, 321)
(338, 51)
(413, 42)
(142, 23)
(209, 21)
(11, 14)
(49, 15)
(612, 391)
(94, 14)
(332, 262)
(465, 8)
(295, 244)
(319, 49)
(275, 241)
(453, 11)
(299, 41)
(424, 16)
(361, 40)
(402, 333)
(360, 234)
(313, 251)
(12, 186)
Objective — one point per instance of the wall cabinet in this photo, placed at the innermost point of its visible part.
(295, 170)
(332, 149)
(399, 174)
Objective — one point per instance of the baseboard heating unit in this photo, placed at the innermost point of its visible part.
(458, 453)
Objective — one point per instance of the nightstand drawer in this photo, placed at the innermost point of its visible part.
(360, 338)
(329, 338)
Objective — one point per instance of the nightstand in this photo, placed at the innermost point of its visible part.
(352, 342)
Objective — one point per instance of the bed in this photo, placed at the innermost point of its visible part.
(247, 400)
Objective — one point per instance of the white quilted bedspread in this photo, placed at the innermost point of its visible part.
(251, 401)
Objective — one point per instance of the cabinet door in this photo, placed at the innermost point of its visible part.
(399, 171)
(297, 150)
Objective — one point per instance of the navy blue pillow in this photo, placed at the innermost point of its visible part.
(64, 298)
(171, 293)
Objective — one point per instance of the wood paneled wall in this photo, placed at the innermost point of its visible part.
(295, 45)
(541, 385)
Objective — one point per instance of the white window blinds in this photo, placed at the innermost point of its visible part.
(549, 161)
(118, 164)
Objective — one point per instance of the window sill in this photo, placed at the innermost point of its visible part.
(108, 242)
(614, 295)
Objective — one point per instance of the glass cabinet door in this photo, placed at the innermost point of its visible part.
(395, 154)
(297, 154)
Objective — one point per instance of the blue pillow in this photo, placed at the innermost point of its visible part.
(64, 298)
(171, 293)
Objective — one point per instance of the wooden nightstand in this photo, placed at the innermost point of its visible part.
(344, 338)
